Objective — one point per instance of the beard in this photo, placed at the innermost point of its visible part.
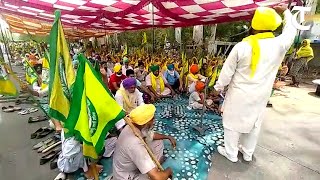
(147, 133)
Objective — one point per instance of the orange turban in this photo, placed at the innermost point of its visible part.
(194, 69)
(200, 85)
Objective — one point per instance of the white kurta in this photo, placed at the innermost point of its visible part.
(135, 99)
(246, 97)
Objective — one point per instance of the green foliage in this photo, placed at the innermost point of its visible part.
(228, 31)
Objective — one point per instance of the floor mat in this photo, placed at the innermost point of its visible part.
(192, 157)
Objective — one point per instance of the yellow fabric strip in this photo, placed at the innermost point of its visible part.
(127, 103)
(253, 40)
(154, 82)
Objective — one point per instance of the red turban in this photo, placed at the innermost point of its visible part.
(194, 69)
(200, 85)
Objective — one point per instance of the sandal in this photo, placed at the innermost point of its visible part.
(44, 133)
(51, 147)
(7, 109)
(15, 108)
(50, 156)
(37, 119)
(40, 130)
(40, 144)
(28, 111)
(45, 146)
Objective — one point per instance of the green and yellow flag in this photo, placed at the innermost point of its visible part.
(125, 51)
(45, 72)
(62, 75)
(200, 63)
(31, 74)
(215, 75)
(93, 110)
(7, 87)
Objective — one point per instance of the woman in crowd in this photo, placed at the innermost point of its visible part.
(303, 56)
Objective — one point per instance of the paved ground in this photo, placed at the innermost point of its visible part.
(289, 145)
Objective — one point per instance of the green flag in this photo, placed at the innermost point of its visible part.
(62, 75)
(93, 110)
(31, 74)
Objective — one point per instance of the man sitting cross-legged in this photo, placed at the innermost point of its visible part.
(128, 97)
(131, 159)
(157, 84)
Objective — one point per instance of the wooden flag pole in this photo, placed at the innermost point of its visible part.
(95, 173)
(134, 130)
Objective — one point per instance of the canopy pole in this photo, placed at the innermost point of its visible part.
(153, 33)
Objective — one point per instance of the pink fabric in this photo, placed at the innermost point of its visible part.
(121, 15)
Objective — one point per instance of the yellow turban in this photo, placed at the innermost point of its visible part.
(117, 68)
(142, 114)
(266, 19)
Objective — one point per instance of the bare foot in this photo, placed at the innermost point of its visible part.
(99, 168)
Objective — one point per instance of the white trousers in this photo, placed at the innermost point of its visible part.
(247, 141)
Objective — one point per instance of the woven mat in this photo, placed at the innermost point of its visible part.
(192, 157)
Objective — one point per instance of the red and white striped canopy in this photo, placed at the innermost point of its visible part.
(135, 14)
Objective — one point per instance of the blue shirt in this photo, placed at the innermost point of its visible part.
(171, 79)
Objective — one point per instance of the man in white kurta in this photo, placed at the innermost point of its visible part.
(128, 97)
(247, 95)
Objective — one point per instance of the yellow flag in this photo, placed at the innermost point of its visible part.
(89, 120)
(144, 39)
(62, 75)
(7, 87)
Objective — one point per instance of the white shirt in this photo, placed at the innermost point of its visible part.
(131, 158)
(148, 82)
(135, 99)
(246, 97)
(124, 69)
(194, 98)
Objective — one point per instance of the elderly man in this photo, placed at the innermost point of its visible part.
(249, 73)
(148, 96)
(157, 84)
(131, 159)
(128, 97)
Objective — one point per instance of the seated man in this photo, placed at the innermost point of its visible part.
(193, 77)
(115, 79)
(128, 97)
(173, 78)
(131, 159)
(148, 96)
(140, 72)
(157, 84)
(196, 97)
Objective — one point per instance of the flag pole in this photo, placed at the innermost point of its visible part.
(134, 130)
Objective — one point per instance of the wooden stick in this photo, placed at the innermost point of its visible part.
(95, 173)
(134, 130)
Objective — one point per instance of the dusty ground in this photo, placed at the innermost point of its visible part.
(289, 145)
